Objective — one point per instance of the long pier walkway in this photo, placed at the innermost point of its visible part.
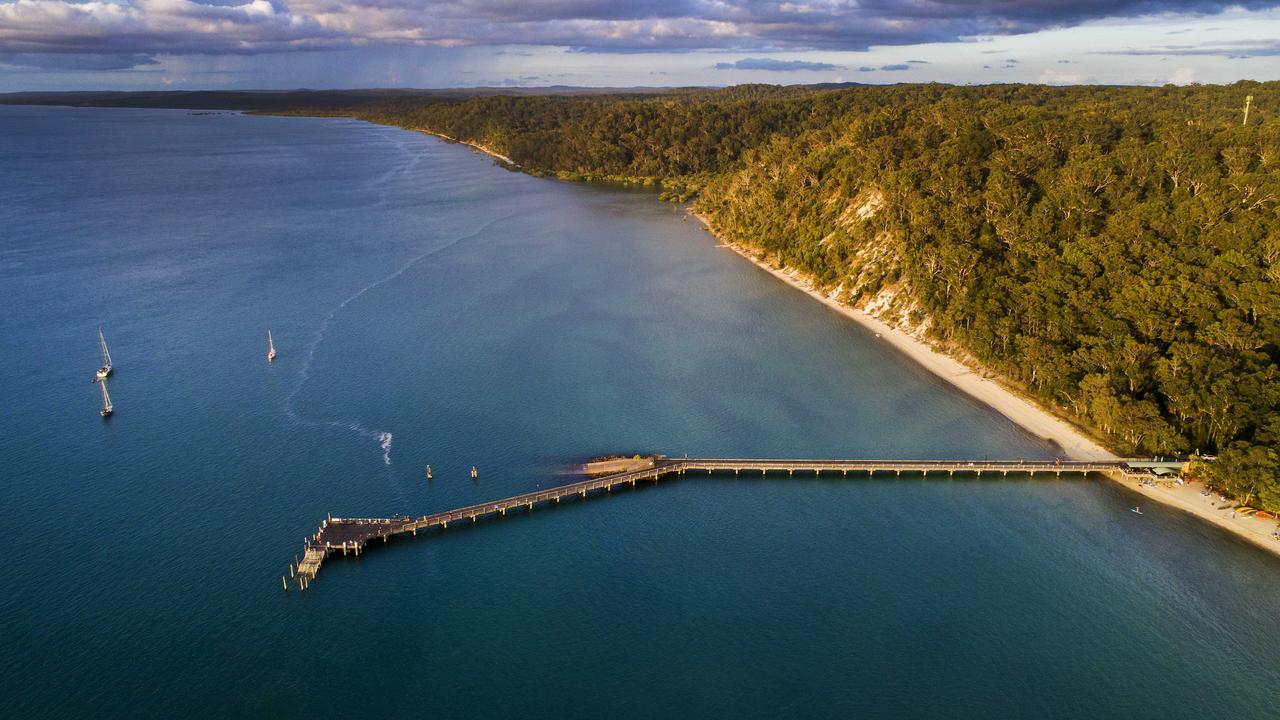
(353, 535)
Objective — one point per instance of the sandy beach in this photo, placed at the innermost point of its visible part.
(1211, 508)
(1029, 415)
(491, 153)
(1022, 411)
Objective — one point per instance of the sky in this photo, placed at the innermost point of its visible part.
(281, 44)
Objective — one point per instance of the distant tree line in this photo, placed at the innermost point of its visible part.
(1115, 252)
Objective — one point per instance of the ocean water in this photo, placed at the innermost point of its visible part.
(430, 307)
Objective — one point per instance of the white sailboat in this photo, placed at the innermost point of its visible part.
(271, 348)
(106, 399)
(105, 370)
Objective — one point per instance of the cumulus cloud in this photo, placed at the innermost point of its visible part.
(129, 29)
(775, 65)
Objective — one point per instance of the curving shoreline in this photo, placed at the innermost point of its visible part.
(1020, 410)
(491, 153)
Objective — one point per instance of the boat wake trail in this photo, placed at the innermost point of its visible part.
(385, 442)
(379, 184)
(381, 437)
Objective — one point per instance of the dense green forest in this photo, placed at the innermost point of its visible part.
(1112, 251)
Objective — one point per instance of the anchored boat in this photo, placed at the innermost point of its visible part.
(271, 348)
(106, 398)
(105, 370)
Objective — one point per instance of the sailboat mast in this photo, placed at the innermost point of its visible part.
(106, 355)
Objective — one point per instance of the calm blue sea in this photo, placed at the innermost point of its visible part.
(430, 307)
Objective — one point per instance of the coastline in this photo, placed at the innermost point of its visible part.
(1021, 411)
(1025, 413)
(491, 153)
(1210, 508)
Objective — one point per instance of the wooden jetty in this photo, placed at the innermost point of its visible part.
(352, 535)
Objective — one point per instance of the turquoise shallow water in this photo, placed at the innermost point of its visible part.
(484, 317)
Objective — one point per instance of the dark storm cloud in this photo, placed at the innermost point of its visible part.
(124, 28)
(775, 65)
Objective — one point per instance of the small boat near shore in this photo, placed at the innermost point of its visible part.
(105, 370)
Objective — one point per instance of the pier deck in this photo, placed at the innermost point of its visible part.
(352, 535)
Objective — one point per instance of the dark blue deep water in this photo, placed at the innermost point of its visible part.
(479, 316)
